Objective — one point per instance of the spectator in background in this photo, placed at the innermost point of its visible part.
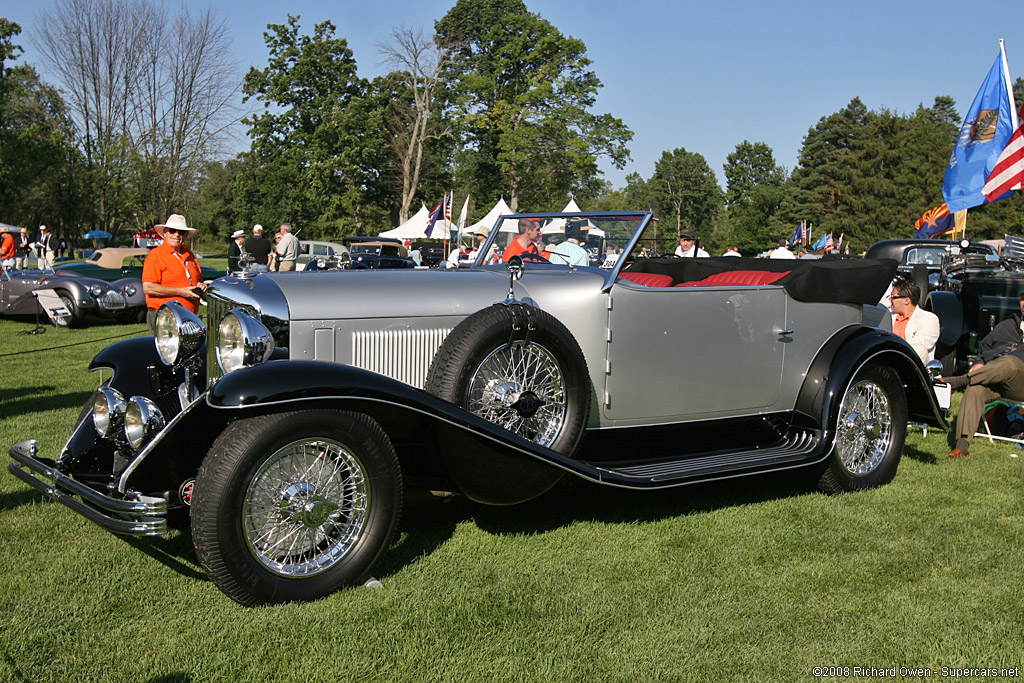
(782, 252)
(919, 327)
(22, 249)
(731, 250)
(170, 271)
(44, 248)
(287, 249)
(258, 247)
(688, 245)
(525, 242)
(571, 252)
(8, 249)
(235, 249)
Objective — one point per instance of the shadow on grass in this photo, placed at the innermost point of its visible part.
(915, 453)
(174, 552)
(14, 499)
(27, 400)
(429, 521)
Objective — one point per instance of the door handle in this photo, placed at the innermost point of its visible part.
(784, 333)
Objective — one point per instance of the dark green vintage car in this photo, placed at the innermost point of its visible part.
(115, 263)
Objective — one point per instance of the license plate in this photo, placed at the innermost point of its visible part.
(943, 394)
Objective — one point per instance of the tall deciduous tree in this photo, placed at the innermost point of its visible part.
(319, 142)
(686, 190)
(522, 95)
(754, 194)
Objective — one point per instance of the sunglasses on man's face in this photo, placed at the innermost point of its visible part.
(175, 231)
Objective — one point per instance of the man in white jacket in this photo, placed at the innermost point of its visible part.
(919, 327)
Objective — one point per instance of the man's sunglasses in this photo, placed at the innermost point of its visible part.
(175, 231)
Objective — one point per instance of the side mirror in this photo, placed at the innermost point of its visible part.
(934, 368)
(515, 268)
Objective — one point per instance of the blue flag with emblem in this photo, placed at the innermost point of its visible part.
(983, 135)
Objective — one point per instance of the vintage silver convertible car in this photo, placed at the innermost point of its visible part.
(288, 425)
(80, 296)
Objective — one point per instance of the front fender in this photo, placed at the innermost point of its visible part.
(847, 352)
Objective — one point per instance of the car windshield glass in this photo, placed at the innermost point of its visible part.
(929, 256)
(96, 256)
(577, 239)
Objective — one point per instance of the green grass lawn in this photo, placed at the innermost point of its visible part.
(759, 579)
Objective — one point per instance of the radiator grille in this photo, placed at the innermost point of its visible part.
(404, 355)
(215, 310)
(112, 301)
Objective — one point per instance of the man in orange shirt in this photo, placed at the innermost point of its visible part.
(7, 249)
(525, 242)
(171, 272)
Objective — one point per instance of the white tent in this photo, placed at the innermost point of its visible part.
(416, 228)
(488, 221)
(558, 224)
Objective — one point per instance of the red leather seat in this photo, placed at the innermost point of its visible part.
(648, 279)
(737, 278)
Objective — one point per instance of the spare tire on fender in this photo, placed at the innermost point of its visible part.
(518, 367)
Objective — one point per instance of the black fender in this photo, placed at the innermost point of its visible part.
(847, 352)
(487, 463)
(950, 309)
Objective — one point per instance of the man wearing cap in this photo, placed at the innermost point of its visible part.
(688, 245)
(571, 251)
(235, 249)
(7, 248)
(171, 272)
(287, 248)
(999, 373)
(44, 249)
(258, 247)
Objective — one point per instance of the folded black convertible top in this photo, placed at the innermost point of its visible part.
(853, 281)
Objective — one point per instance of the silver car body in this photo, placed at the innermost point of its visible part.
(89, 295)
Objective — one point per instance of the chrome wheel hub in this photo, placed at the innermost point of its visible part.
(864, 430)
(520, 387)
(306, 507)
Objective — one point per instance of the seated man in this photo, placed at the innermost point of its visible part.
(919, 327)
(525, 242)
(998, 374)
(571, 252)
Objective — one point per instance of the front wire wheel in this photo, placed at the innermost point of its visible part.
(293, 506)
(870, 431)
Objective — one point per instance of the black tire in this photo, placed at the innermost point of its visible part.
(548, 402)
(870, 430)
(74, 320)
(947, 356)
(294, 506)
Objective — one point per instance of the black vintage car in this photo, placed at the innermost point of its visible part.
(975, 292)
(921, 260)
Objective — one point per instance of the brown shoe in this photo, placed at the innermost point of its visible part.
(957, 453)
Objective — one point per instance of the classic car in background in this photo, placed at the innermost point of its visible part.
(289, 423)
(378, 253)
(921, 260)
(976, 292)
(116, 263)
(327, 255)
(80, 295)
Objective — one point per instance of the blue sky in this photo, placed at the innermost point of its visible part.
(703, 75)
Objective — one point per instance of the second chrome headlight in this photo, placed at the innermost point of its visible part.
(242, 340)
(179, 333)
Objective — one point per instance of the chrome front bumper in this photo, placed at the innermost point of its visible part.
(143, 517)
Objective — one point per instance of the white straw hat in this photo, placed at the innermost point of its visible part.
(176, 221)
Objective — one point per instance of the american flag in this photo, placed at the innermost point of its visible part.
(829, 244)
(1008, 172)
(448, 206)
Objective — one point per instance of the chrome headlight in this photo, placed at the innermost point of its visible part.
(108, 406)
(130, 290)
(242, 341)
(95, 290)
(142, 420)
(179, 333)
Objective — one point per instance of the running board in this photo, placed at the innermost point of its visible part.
(800, 445)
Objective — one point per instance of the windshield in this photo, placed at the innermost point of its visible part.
(596, 240)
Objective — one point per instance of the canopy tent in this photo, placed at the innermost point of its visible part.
(488, 221)
(558, 224)
(416, 228)
(97, 235)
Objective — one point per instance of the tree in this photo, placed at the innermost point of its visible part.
(415, 116)
(319, 142)
(521, 94)
(686, 190)
(150, 104)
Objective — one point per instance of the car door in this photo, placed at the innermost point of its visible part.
(684, 352)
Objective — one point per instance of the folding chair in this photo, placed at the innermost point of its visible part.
(992, 405)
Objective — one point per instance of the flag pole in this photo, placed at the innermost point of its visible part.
(1009, 86)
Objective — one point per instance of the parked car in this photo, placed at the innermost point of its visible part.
(115, 263)
(378, 253)
(80, 295)
(921, 259)
(323, 253)
(289, 425)
(976, 292)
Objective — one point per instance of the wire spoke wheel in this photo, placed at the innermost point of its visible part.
(522, 388)
(306, 507)
(864, 432)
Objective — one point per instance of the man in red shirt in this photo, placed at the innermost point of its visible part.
(7, 250)
(529, 231)
(171, 271)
